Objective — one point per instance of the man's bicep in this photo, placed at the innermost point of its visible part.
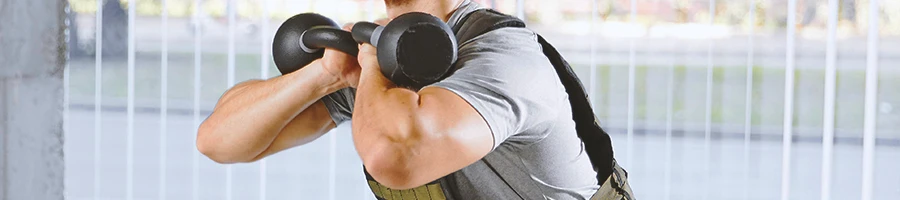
(456, 117)
(490, 94)
(455, 134)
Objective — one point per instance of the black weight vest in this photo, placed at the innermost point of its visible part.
(596, 141)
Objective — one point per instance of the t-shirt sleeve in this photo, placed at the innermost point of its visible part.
(340, 104)
(505, 76)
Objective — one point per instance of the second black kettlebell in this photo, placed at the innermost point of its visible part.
(415, 49)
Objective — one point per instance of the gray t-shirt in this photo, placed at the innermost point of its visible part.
(505, 76)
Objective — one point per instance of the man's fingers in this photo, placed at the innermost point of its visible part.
(367, 48)
(367, 56)
(333, 52)
(347, 26)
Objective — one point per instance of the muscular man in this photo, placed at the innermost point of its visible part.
(500, 127)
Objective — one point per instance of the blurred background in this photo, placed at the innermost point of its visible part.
(704, 99)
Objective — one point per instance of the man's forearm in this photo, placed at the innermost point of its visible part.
(249, 116)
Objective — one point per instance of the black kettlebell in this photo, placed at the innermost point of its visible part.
(414, 50)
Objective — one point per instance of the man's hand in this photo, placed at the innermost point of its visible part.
(341, 65)
(367, 58)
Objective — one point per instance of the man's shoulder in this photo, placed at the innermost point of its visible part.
(510, 42)
(505, 49)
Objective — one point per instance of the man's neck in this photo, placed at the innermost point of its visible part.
(439, 8)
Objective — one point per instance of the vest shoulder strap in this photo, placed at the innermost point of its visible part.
(482, 21)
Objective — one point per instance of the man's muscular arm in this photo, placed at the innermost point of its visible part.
(406, 138)
(257, 118)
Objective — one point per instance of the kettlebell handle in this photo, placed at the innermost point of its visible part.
(367, 32)
(320, 37)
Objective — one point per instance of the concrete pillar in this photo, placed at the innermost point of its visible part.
(32, 58)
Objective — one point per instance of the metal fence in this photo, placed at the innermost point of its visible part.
(696, 111)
